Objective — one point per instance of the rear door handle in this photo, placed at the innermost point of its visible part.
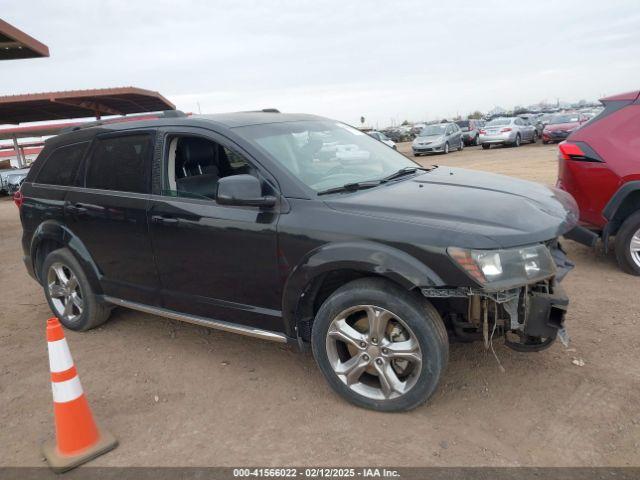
(164, 220)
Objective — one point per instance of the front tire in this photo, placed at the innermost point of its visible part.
(628, 245)
(69, 292)
(446, 148)
(486, 146)
(379, 346)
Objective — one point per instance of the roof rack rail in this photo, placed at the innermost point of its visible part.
(130, 118)
(270, 110)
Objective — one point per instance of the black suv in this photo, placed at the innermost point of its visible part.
(296, 228)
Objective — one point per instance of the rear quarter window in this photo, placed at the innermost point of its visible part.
(121, 163)
(61, 166)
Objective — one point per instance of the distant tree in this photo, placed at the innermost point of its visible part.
(444, 120)
(362, 120)
(519, 110)
(477, 115)
(405, 123)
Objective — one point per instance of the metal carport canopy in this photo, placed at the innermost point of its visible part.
(35, 107)
(15, 44)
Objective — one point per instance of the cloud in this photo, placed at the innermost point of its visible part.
(381, 59)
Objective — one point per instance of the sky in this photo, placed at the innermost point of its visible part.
(384, 60)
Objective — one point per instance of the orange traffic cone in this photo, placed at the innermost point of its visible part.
(78, 439)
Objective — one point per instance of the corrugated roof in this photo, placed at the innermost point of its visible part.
(15, 44)
(35, 107)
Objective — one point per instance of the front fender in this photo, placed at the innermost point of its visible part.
(366, 257)
(59, 233)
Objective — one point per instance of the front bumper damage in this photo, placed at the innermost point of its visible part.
(529, 318)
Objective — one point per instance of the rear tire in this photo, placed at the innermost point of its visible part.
(486, 146)
(342, 337)
(476, 141)
(628, 245)
(517, 142)
(69, 292)
(534, 139)
(461, 145)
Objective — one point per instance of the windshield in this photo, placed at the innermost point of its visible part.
(464, 125)
(498, 122)
(433, 130)
(324, 154)
(556, 119)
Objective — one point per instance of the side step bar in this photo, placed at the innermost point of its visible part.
(202, 321)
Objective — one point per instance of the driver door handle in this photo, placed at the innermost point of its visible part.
(164, 220)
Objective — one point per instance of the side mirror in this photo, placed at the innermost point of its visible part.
(242, 190)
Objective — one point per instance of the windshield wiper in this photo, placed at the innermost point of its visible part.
(405, 171)
(351, 187)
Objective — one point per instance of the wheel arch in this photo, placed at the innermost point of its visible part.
(51, 235)
(327, 268)
(623, 203)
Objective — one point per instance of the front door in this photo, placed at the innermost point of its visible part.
(214, 261)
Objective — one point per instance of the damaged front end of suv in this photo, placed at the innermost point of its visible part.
(520, 300)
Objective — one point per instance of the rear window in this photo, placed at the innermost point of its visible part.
(121, 163)
(463, 124)
(498, 122)
(62, 165)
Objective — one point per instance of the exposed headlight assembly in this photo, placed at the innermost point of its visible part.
(505, 268)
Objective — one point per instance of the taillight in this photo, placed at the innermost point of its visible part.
(18, 199)
(505, 130)
(482, 131)
(579, 151)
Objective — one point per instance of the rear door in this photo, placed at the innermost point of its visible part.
(108, 212)
(215, 261)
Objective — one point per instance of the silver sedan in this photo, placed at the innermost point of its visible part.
(507, 131)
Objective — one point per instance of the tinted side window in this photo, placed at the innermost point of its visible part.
(121, 163)
(62, 165)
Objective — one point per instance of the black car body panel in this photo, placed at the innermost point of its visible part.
(254, 265)
(482, 210)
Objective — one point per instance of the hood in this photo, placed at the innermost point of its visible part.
(562, 126)
(469, 208)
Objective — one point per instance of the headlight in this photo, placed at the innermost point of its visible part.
(505, 268)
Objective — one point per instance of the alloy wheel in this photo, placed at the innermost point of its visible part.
(64, 291)
(634, 248)
(374, 352)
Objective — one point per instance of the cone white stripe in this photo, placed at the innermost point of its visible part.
(67, 390)
(59, 356)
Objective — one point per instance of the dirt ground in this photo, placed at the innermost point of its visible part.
(177, 394)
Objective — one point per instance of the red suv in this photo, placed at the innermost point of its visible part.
(599, 164)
